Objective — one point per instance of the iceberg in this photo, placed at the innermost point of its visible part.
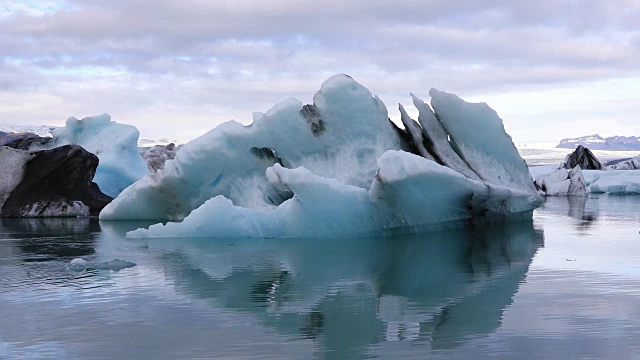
(114, 144)
(337, 167)
(631, 164)
(557, 182)
(339, 136)
(562, 182)
(613, 181)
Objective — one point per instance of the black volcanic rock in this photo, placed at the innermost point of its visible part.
(56, 182)
(22, 141)
(583, 157)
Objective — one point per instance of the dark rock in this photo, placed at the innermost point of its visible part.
(583, 157)
(420, 138)
(273, 194)
(23, 141)
(407, 142)
(56, 182)
(267, 154)
(312, 115)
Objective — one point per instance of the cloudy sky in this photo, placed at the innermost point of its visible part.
(551, 68)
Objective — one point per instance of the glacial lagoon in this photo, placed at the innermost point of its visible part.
(564, 285)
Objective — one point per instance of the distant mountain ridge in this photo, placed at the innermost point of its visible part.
(45, 131)
(40, 130)
(597, 142)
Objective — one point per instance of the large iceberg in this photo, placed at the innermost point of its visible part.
(336, 167)
(340, 136)
(114, 144)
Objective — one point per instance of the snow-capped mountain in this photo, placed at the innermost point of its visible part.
(597, 142)
(40, 130)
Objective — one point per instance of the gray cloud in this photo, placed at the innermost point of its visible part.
(209, 61)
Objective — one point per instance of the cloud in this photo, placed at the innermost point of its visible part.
(204, 62)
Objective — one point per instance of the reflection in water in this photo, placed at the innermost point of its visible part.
(448, 294)
(348, 294)
(38, 243)
(48, 239)
(577, 206)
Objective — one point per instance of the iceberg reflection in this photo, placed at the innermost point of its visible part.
(439, 288)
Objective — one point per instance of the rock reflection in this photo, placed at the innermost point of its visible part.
(43, 245)
(44, 239)
(439, 288)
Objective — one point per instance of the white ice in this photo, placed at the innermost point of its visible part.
(78, 264)
(16, 160)
(478, 135)
(596, 181)
(562, 182)
(613, 181)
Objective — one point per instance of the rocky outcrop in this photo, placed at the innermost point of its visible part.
(583, 157)
(156, 156)
(49, 183)
(23, 141)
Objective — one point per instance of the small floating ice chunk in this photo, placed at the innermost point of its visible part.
(78, 261)
(78, 264)
(115, 265)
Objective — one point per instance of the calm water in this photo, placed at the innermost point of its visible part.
(565, 285)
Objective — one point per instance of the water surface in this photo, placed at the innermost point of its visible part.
(565, 285)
